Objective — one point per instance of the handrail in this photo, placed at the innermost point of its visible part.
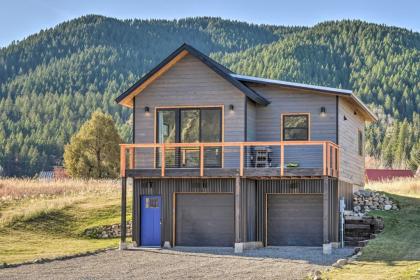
(330, 153)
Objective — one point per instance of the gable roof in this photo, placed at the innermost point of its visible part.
(126, 98)
(239, 81)
(259, 80)
(327, 90)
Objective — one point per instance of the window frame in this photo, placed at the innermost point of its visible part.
(360, 143)
(178, 110)
(283, 128)
(178, 124)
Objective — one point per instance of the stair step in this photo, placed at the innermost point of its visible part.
(357, 226)
(363, 243)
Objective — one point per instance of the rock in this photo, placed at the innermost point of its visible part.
(388, 207)
(341, 262)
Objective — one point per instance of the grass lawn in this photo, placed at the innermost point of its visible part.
(395, 253)
(51, 220)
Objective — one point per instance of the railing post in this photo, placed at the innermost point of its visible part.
(122, 161)
(132, 158)
(162, 164)
(324, 155)
(241, 160)
(334, 167)
(281, 158)
(338, 162)
(201, 160)
(328, 159)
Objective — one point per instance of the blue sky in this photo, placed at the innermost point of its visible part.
(20, 18)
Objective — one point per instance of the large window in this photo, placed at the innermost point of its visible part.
(190, 125)
(295, 127)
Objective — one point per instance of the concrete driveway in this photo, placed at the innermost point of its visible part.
(184, 263)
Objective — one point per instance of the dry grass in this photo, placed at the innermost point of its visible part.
(405, 186)
(51, 216)
(15, 189)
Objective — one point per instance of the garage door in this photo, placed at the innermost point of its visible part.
(294, 220)
(204, 220)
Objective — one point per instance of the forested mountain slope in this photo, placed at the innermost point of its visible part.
(381, 64)
(52, 81)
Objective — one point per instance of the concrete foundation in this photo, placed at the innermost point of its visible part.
(240, 247)
(123, 246)
(327, 248)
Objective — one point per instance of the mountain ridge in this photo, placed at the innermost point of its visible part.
(68, 71)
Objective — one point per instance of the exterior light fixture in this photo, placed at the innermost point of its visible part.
(146, 109)
(231, 107)
(323, 111)
(345, 118)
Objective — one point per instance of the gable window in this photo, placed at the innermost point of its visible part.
(360, 143)
(189, 125)
(295, 127)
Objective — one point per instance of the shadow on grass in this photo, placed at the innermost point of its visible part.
(54, 222)
(70, 221)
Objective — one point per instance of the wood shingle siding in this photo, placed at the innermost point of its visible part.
(352, 164)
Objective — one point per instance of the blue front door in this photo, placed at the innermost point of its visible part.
(150, 220)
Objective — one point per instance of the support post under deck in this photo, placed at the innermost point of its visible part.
(238, 245)
(123, 244)
(327, 246)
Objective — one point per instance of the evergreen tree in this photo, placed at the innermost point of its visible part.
(93, 151)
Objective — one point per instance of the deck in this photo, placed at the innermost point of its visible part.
(287, 159)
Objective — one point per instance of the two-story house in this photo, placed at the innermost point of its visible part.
(222, 159)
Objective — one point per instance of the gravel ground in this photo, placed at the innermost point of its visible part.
(184, 263)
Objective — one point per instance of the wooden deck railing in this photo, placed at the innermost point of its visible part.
(330, 154)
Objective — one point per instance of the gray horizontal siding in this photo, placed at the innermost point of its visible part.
(352, 165)
(268, 121)
(189, 83)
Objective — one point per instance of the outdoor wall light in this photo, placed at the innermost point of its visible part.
(146, 109)
(323, 111)
(231, 107)
(345, 118)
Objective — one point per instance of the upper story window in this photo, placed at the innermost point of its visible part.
(189, 125)
(295, 127)
(360, 143)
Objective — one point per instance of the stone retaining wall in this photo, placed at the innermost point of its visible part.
(107, 231)
(366, 201)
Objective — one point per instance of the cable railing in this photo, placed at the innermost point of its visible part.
(281, 158)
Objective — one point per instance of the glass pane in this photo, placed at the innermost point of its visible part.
(152, 202)
(210, 125)
(298, 121)
(212, 157)
(295, 134)
(190, 126)
(190, 157)
(170, 157)
(167, 132)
